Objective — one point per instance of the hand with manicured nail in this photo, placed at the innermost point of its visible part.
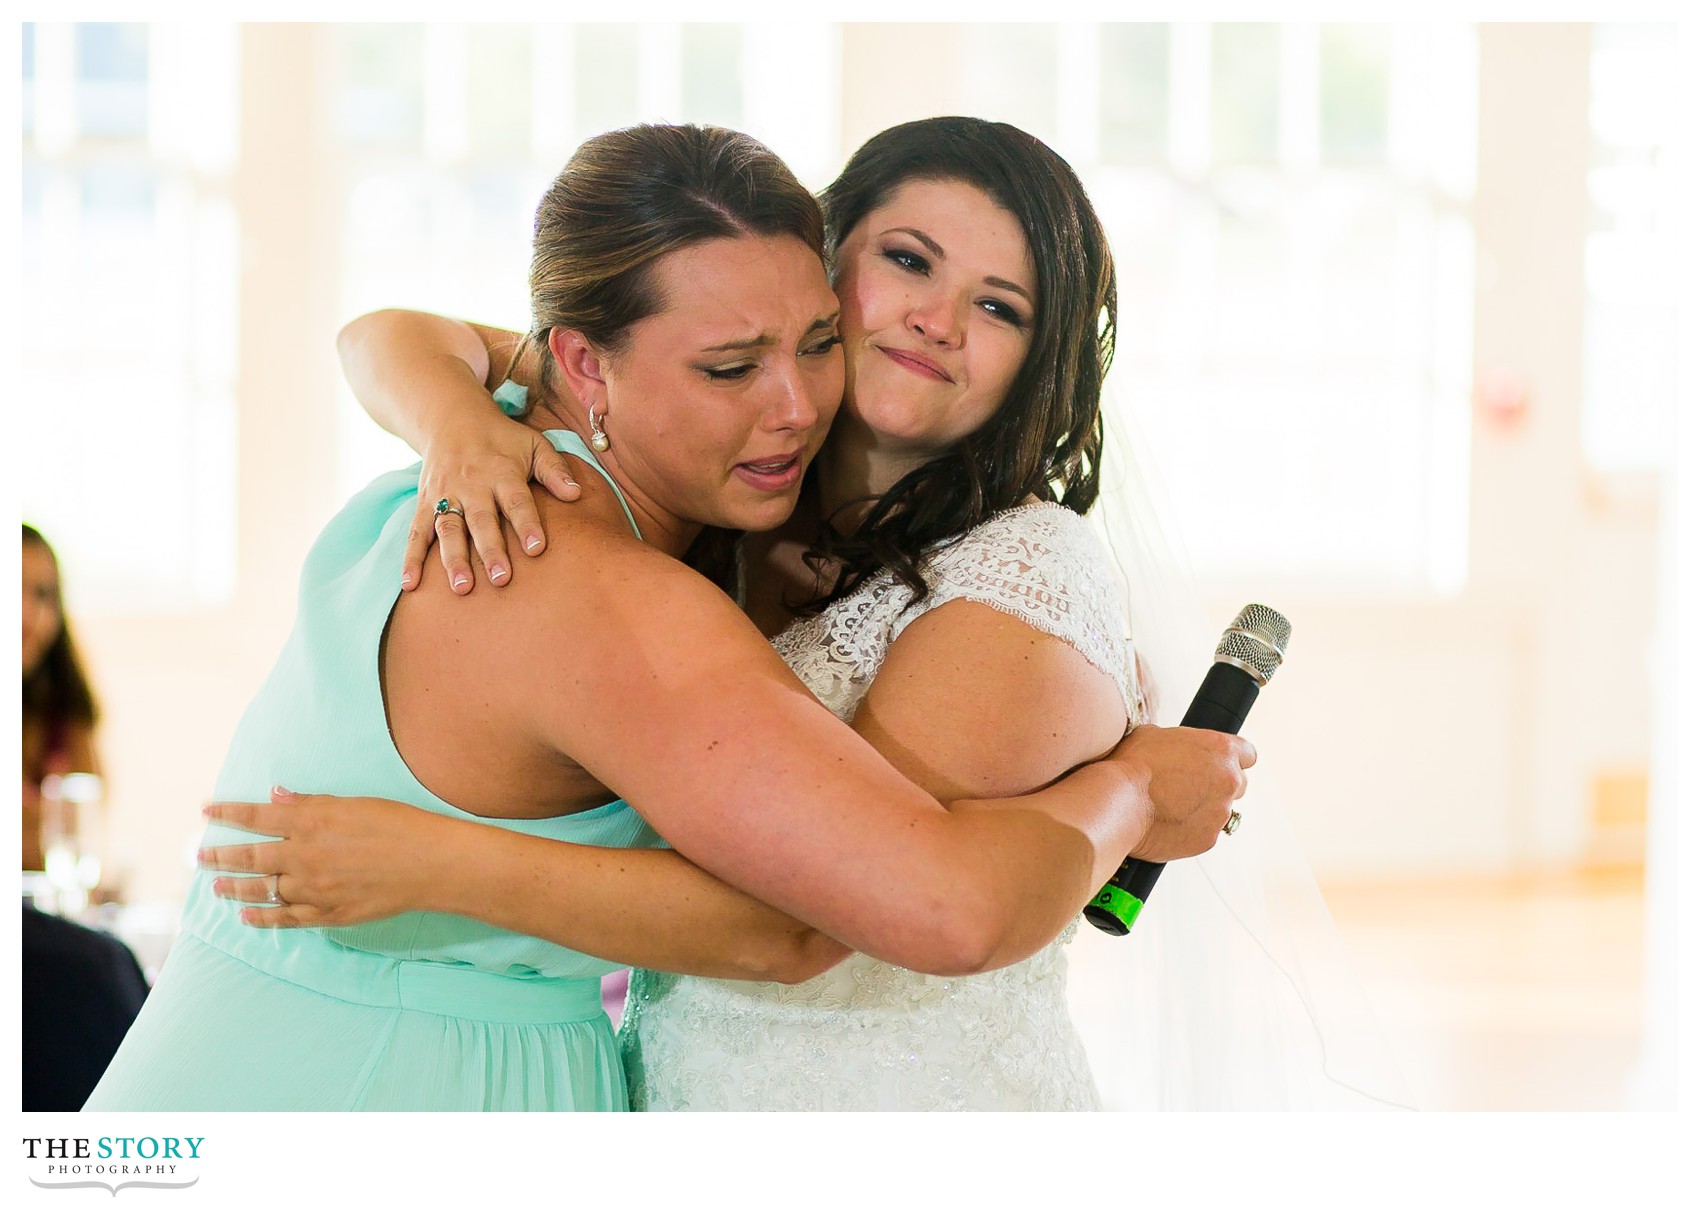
(334, 861)
(485, 463)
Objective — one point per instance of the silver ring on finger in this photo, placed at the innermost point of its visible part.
(1233, 822)
(445, 506)
(273, 897)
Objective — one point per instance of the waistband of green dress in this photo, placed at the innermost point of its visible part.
(434, 987)
(441, 989)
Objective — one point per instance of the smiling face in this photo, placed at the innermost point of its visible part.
(41, 616)
(939, 293)
(715, 404)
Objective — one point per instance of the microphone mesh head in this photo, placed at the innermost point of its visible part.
(1256, 641)
(1267, 623)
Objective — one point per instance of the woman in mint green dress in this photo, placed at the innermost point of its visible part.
(420, 1011)
(678, 290)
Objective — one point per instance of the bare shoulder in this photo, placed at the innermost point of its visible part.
(599, 579)
(1046, 566)
(973, 700)
(1012, 668)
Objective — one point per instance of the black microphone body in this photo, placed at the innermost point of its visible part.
(1223, 700)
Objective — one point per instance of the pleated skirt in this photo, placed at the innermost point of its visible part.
(220, 1035)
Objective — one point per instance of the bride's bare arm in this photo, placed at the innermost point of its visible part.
(970, 701)
(427, 379)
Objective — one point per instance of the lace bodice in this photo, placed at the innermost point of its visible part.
(868, 1035)
(1040, 563)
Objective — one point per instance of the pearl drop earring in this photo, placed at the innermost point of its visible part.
(598, 436)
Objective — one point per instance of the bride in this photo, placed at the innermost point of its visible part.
(938, 587)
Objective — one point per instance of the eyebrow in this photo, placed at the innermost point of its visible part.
(937, 250)
(763, 340)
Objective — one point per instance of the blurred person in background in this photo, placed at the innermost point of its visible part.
(59, 710)
(81, 989)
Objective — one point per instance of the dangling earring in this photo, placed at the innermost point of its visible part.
(598, 436)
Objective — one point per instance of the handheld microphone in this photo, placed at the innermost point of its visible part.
(1246, 659)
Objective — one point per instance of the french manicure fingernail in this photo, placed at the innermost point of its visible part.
(460, 581)
(407, 581)
(533, 542)
(497, 572)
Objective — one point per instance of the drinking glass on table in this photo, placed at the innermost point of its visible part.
(70, 837)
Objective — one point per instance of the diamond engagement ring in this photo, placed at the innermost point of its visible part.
(1233, 822)
(445, 507)
(273, 897)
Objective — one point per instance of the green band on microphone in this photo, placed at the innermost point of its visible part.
(1119, 904)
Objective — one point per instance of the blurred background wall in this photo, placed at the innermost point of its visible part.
(1398, 336)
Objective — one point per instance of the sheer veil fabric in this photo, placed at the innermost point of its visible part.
(1233, 991)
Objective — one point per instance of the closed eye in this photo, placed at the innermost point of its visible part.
(824, 347)
(729, 373)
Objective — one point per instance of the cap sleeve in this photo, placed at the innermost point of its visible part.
(1042, 564)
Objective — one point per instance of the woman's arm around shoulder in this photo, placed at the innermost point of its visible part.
(807, 813)
(427, 379)
(683, 709)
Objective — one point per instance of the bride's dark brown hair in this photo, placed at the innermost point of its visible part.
(1047, 436)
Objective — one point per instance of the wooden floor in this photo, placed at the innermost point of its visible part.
(1493, 994)
(1505, 994)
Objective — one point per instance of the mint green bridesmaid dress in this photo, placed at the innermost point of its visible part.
(426, 1012)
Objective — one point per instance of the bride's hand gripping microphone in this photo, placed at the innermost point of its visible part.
(1246, 659)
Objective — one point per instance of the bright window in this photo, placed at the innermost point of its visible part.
(1289, 208)
(440, 183)
(1630, 334)
(129, 266)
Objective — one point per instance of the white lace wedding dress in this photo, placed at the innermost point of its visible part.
(866, 1035)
